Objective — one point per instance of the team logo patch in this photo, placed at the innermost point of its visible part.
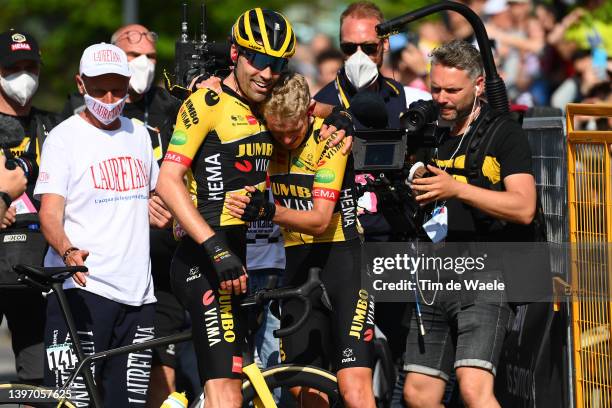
(368, 334)
(236, 364)
(244, 166)
(18, 38)
(208, 297)
(252, 120)
(20, 46)
(178, 138)
(325, 176)
(211, 98)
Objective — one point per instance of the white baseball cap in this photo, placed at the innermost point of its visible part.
(100, 59)
(493, 7)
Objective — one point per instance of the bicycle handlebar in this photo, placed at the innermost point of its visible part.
(301, 293)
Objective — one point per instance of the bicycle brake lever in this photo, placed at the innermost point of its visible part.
(325, 298)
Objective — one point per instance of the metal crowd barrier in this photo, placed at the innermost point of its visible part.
(590, 228)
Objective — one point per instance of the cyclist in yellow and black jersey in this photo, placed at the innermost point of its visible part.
(220, 143)
(315, 170)
(224, 146)
(315, 205)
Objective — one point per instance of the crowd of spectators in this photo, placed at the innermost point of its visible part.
(547, 54)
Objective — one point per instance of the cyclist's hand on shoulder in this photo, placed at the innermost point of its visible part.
(212, 82)
(339, 125)
(229, 268)
(77, 257)
(159, 216)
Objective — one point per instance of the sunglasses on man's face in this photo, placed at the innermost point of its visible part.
(261, 61)
(349, 48)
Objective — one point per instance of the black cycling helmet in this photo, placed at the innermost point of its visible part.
(266, 32)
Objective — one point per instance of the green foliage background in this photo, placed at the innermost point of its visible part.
(65, 27)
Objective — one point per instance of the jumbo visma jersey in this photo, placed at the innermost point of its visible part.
(316, 170)
(226, 148)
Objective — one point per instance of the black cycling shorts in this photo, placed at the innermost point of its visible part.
(218, 323)
(343, 337)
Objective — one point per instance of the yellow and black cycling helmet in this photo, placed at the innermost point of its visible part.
(266, 32)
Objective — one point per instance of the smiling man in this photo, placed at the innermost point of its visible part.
(221, 145)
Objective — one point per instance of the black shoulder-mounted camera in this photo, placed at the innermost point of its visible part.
(386, 149)
(197, 57)
(11, 136)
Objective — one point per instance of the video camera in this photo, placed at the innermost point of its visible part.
(198, 57)
(380, 150)
(11, 136)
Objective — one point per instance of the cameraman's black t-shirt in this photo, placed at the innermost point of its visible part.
(509, 153)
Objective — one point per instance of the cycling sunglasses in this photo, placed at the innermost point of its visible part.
(349, 48)
(262, 61)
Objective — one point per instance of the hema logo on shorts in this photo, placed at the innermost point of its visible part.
(15, 238)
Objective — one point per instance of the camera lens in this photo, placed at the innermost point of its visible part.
(419, 114)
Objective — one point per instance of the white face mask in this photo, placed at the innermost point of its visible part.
(360, 70)
(20, 86)
(143, 72)
(106, 113)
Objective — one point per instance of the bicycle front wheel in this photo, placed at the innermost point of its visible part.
(34, 396)
(286, 376)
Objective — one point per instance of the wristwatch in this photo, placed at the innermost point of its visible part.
(6, 198)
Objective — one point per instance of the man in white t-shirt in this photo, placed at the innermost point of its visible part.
(96, 176)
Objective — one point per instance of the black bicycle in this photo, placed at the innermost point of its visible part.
(257, 384)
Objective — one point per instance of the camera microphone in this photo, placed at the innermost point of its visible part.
(369, 109)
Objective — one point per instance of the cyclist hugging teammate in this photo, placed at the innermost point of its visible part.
(221, 145)
(313, 186)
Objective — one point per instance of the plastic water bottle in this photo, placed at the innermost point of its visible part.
(175, 400)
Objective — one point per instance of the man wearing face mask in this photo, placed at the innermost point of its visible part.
(97, 173)
(154, 107)
(24, 128)
(363, 52)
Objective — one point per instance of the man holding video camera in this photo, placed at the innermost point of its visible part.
(478, 194)
(23, 128)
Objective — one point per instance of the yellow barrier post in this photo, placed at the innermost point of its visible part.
(590, 222)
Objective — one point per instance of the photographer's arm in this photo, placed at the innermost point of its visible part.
(516, 204)
(52, 226)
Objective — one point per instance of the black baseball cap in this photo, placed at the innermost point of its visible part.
(17, 46)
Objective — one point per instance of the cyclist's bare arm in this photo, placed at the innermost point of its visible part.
(52, 226)
(312, 222)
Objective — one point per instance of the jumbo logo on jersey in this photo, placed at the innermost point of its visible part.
(119, 174)
(261, 152)
(188, 114)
